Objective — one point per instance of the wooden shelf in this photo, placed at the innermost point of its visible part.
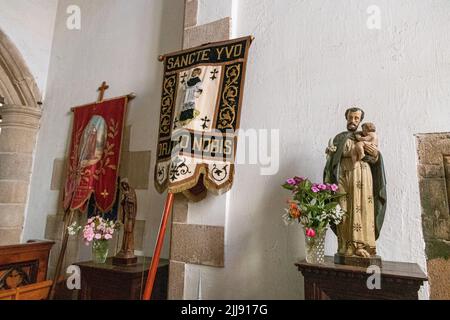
(109, 282)
(399, 280)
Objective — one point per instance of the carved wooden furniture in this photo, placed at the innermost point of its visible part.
(8, 294)
(24, 264)
(110, 282)
(37, 291)
(331, 281)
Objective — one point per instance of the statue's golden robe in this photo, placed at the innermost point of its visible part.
(358, 227)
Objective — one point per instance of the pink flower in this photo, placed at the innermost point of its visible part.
(310, 232)
(334, 187)
(299, 179)
(322, 186)
(98, 228)
(315, 189)
(291, 181)
(88, 234)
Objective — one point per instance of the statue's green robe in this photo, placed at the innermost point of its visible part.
(332, 173)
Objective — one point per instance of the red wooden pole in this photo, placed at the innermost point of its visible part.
(155, 259)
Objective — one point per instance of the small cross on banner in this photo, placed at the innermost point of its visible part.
(105, 194)
(102, 90)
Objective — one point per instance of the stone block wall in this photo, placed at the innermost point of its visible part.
(19, 124)
(192, 243)
(434, 182)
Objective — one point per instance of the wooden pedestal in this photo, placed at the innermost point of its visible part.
(331, 281)
(124, 261)
(110, 282)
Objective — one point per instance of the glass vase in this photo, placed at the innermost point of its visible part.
(100, 251)
(315, 247)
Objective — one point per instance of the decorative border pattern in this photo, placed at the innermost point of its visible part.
(167, 103)
(229, 102)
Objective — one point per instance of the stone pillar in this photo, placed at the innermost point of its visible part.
(19, 127)
(434, 182)
(190, 243)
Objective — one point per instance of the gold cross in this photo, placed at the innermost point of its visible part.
(102, 90)
(105, 194)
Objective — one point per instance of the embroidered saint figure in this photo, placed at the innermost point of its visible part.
(193, 88)
(93, 141)
(91, 144)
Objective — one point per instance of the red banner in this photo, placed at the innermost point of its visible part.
(95, 154)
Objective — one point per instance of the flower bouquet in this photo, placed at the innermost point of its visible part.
(315, 206)
(97, 231)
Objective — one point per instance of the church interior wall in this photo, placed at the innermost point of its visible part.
(119, 42)
(30, 24)
(309, 62)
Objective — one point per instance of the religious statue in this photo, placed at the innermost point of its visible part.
(128, 206)
(355, 164)
(192, 90)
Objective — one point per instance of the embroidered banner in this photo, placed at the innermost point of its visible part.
(95, 154)
(200, 111)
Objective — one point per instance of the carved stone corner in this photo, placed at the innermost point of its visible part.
(19, 85)
(20, 117)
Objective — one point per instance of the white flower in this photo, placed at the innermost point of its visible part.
(337, 215)
(73, 229)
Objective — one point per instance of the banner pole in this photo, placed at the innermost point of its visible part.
(62, 253)
(155, 259)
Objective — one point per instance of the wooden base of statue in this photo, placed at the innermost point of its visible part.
(357, 261)
(124, 259)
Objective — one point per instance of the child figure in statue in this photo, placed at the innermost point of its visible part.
(368, 136)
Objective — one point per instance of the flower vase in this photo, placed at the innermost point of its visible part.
(315, 246)
(100, 250)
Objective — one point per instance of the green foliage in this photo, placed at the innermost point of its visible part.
(313, 205)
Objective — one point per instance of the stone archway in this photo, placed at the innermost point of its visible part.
(20, 116)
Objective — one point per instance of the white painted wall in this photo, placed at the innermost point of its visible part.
(30, 24)
(309, 62)
(212, 10)
(119, 42)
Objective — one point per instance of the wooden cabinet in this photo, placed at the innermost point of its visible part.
(24, 264)
(331, 281)
(109, 282)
